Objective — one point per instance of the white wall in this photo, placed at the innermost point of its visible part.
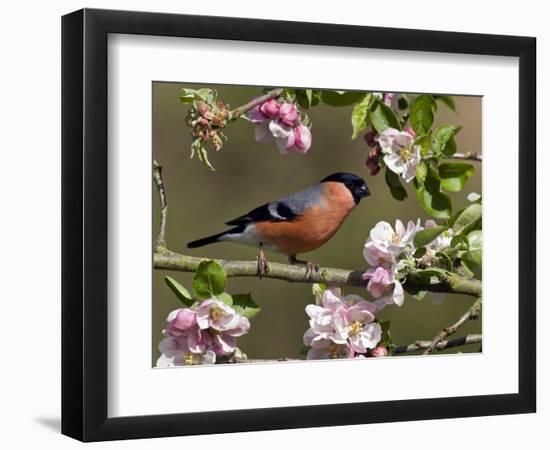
(30, 236)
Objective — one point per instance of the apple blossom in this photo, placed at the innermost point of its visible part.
(341, 327)
(379, 351)
(270, 109)
(197, 335)
(302, 139)
(401, 156)
(288, 113)
(280, 121)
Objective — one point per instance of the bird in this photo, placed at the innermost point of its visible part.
(298, 223)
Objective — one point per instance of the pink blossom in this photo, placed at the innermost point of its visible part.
(196, 336)
(270, 109)
(288, 113)
(379, 351)
(341, 327)
(284, 136)
(410, 131)
(181, 320)
(388, 97)
(380, 280)
(255, 115)
(302, 139)
(401, 155)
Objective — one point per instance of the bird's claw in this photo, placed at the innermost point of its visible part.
(310, 268)
(263, 268)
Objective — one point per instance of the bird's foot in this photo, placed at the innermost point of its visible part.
(310, 267)
(263, 268)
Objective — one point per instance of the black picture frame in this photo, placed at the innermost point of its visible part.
(84, 224)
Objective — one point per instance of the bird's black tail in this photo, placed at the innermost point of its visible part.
(214, 238)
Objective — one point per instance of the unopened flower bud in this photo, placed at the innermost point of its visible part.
(379, 351)
(372, 160)
(371, 138)
(410, 131)
(270, 108)
(203, 109)
(288, 113)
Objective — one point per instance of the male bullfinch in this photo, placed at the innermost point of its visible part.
(298, 223)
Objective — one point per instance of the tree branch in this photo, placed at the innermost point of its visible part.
(443, 345)
(472, 314)
(160, 241)
(169, 260)
(233, 114)
(472, 156)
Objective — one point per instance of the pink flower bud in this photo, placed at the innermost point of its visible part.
(388, 97)
(270, 108)
(372, 160)
(288, 113)
(302, 139)
(410, 131)
(379, 351)
(203, 109)
(371, 138)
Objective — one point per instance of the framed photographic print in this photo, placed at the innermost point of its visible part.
(276, 224)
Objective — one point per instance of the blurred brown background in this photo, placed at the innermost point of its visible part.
(251, 173)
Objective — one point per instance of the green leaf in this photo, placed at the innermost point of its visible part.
(245, 306)
(209, 280)
(394, 183)
(424, 237)
(191, 95)
(183, 294)
(419, 295)
(444, 261)
(419, 252)
(422, 114)
(341, 98)
(225, 298)
(475, 240)
(460, 242)
(444, 140)
(360, 114)
(187, 95)
(430, 197)
(386, 340)
(469, 219)
(473, 261)
(447, 100)
(454, 175)
(425, 143)
(318, 289)
(382, 117)
(421, 172)
(307, 98)
(432, 272)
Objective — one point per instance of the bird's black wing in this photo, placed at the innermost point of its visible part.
(276, 211)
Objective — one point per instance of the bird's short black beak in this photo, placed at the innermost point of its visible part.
(363, 191)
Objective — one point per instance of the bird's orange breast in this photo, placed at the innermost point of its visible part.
(315, 226)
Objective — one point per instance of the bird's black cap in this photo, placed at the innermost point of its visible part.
(356, 185)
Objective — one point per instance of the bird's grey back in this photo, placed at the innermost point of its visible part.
(302, 200)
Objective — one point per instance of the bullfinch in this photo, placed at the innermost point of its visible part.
(298, 223)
